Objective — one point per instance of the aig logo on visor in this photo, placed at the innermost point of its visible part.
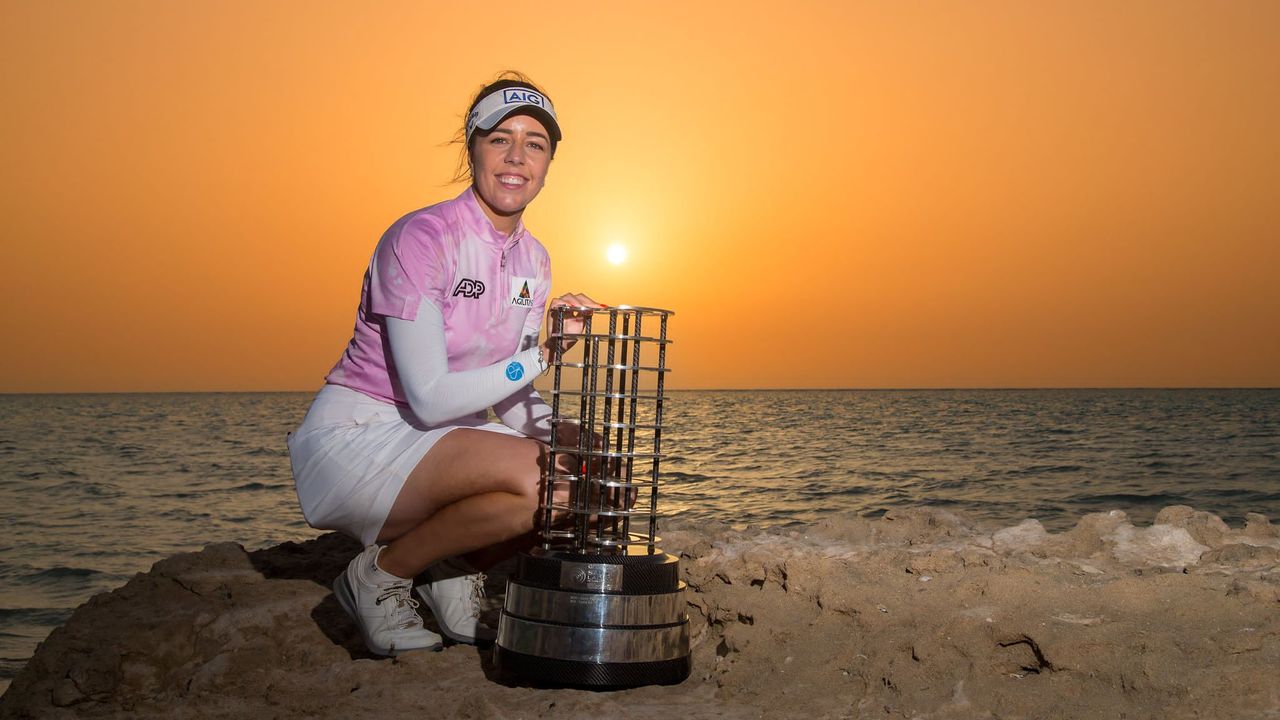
(522, 96)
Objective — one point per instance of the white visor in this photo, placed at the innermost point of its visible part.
(497, 105)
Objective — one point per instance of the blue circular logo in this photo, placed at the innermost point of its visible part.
(515, 371)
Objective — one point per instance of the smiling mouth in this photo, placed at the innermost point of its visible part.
(511, 181)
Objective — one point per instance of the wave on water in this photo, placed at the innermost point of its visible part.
(90, 488)
(54, 589)
(130, 451)
(1038, 470)
(42, 473)
(34, 616)
(1106, 500)
(681, 477)
(19, 572)
(59, 574)
(9, 667)
(266, 452)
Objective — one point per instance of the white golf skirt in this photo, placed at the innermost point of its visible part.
(352, 455)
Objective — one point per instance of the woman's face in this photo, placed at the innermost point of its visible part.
(509, 167)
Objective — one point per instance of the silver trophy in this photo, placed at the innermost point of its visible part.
(598, 603)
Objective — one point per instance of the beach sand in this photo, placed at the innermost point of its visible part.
(918, 614)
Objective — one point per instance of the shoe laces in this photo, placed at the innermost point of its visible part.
(405, 608)
(477, 592)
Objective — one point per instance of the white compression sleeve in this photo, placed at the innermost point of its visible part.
(527, 413)
(436, 395)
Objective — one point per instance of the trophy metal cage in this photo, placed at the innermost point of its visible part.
(597, 603)
(619, 434)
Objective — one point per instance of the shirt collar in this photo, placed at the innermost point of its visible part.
(473, 216)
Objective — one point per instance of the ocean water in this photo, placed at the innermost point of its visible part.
(95, 488)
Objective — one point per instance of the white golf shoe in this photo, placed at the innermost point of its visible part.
(455, 597)
(381, 605)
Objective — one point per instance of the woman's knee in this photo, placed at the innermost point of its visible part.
(523, 476)
(478, 461)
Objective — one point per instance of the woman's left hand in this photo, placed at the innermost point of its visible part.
(574, 321)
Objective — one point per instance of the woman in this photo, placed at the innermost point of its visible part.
(396, 449)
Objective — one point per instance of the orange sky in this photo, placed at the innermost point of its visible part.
(842, 194)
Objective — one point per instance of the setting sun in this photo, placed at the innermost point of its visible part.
(617, 254)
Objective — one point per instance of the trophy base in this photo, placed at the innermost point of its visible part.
(595, 620)
(598, 675)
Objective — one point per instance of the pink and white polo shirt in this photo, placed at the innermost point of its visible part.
(491, 289)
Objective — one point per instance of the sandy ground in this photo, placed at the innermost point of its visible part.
(919, 614)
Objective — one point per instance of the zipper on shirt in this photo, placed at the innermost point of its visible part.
(502, 260)
(504, 274)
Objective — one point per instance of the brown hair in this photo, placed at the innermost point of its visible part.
(506, 79)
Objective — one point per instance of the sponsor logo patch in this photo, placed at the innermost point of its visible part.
(515, 371)
(520, 95)
(469, 288)
(520, 292)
